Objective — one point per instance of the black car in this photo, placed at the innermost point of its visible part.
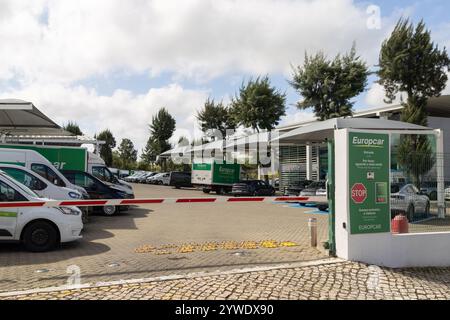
(252, 188)
(98, 189)
(295, 188)
(180, 179)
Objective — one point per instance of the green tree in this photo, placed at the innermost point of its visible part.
(328, 86)
(258, 105)
(215, 116)
(73, 128)
(411, 63)
(153, 149)
(161, 129)
(106, 149)
(127, 154)
(162, 126)
(116, 160)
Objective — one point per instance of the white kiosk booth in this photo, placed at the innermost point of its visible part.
(359, 189)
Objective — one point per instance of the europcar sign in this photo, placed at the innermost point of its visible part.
(369, 166)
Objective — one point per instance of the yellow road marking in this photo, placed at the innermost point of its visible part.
(213, 246)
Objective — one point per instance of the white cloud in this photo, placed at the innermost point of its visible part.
(197, 39)
(126, 114)
(296, 116)
(447, 88)
(376, 96)
(49, 46)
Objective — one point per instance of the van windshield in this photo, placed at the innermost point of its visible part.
(103, 174)
(20, 186)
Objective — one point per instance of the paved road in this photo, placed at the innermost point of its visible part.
(173, 238)
(338, 280)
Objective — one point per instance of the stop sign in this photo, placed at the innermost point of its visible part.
(359, 193)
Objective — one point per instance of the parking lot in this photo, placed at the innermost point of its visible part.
(163, 239)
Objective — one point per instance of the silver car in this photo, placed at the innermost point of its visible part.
(409, 200)
(447, 194)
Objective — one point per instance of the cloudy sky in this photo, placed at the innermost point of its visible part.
(113, 64)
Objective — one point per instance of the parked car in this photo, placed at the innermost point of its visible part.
(314, 189)
(161, 178)
(321, 192)
(295, 188)
(429, 189)
(143, 178)
(153, 179)
(252, 188)
(180, 179)
(447, 194)
(37, 163)
(40, 185)
(101, 172)
(134, 176)
(43, 187)
(408, 199)
(149, 176)
(275, 183)
(149, 179)
(38, 228)
(98, 189)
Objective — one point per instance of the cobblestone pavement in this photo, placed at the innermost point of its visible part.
(335, 280)
(107, 251)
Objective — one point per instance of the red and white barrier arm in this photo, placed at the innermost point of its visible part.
(127, 202)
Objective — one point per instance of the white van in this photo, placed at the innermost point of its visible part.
(38, 228)
(40, 185)
(36, 162)
(97, 167)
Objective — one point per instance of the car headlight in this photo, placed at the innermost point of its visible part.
(70, 211)
(74, 195)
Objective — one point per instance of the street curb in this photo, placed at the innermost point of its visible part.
(174, 277)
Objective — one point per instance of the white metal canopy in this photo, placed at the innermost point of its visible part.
(322, 130)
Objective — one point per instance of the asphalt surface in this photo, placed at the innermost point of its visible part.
(163, 239)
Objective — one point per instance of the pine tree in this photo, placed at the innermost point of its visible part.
(127, 154)
(215, 116)
(161, 130)
(328, 86)
(258, 105)
(106, 149)
(410, 63)
(73, 128)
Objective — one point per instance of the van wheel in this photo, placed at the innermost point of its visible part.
(433, 195)
(109, 210)
(427, 209)
(207, 191)
(40, 236)
(410, 212)
(85, 215)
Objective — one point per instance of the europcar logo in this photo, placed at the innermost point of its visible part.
(367, 142)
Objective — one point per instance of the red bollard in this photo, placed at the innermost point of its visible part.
(399, 224)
